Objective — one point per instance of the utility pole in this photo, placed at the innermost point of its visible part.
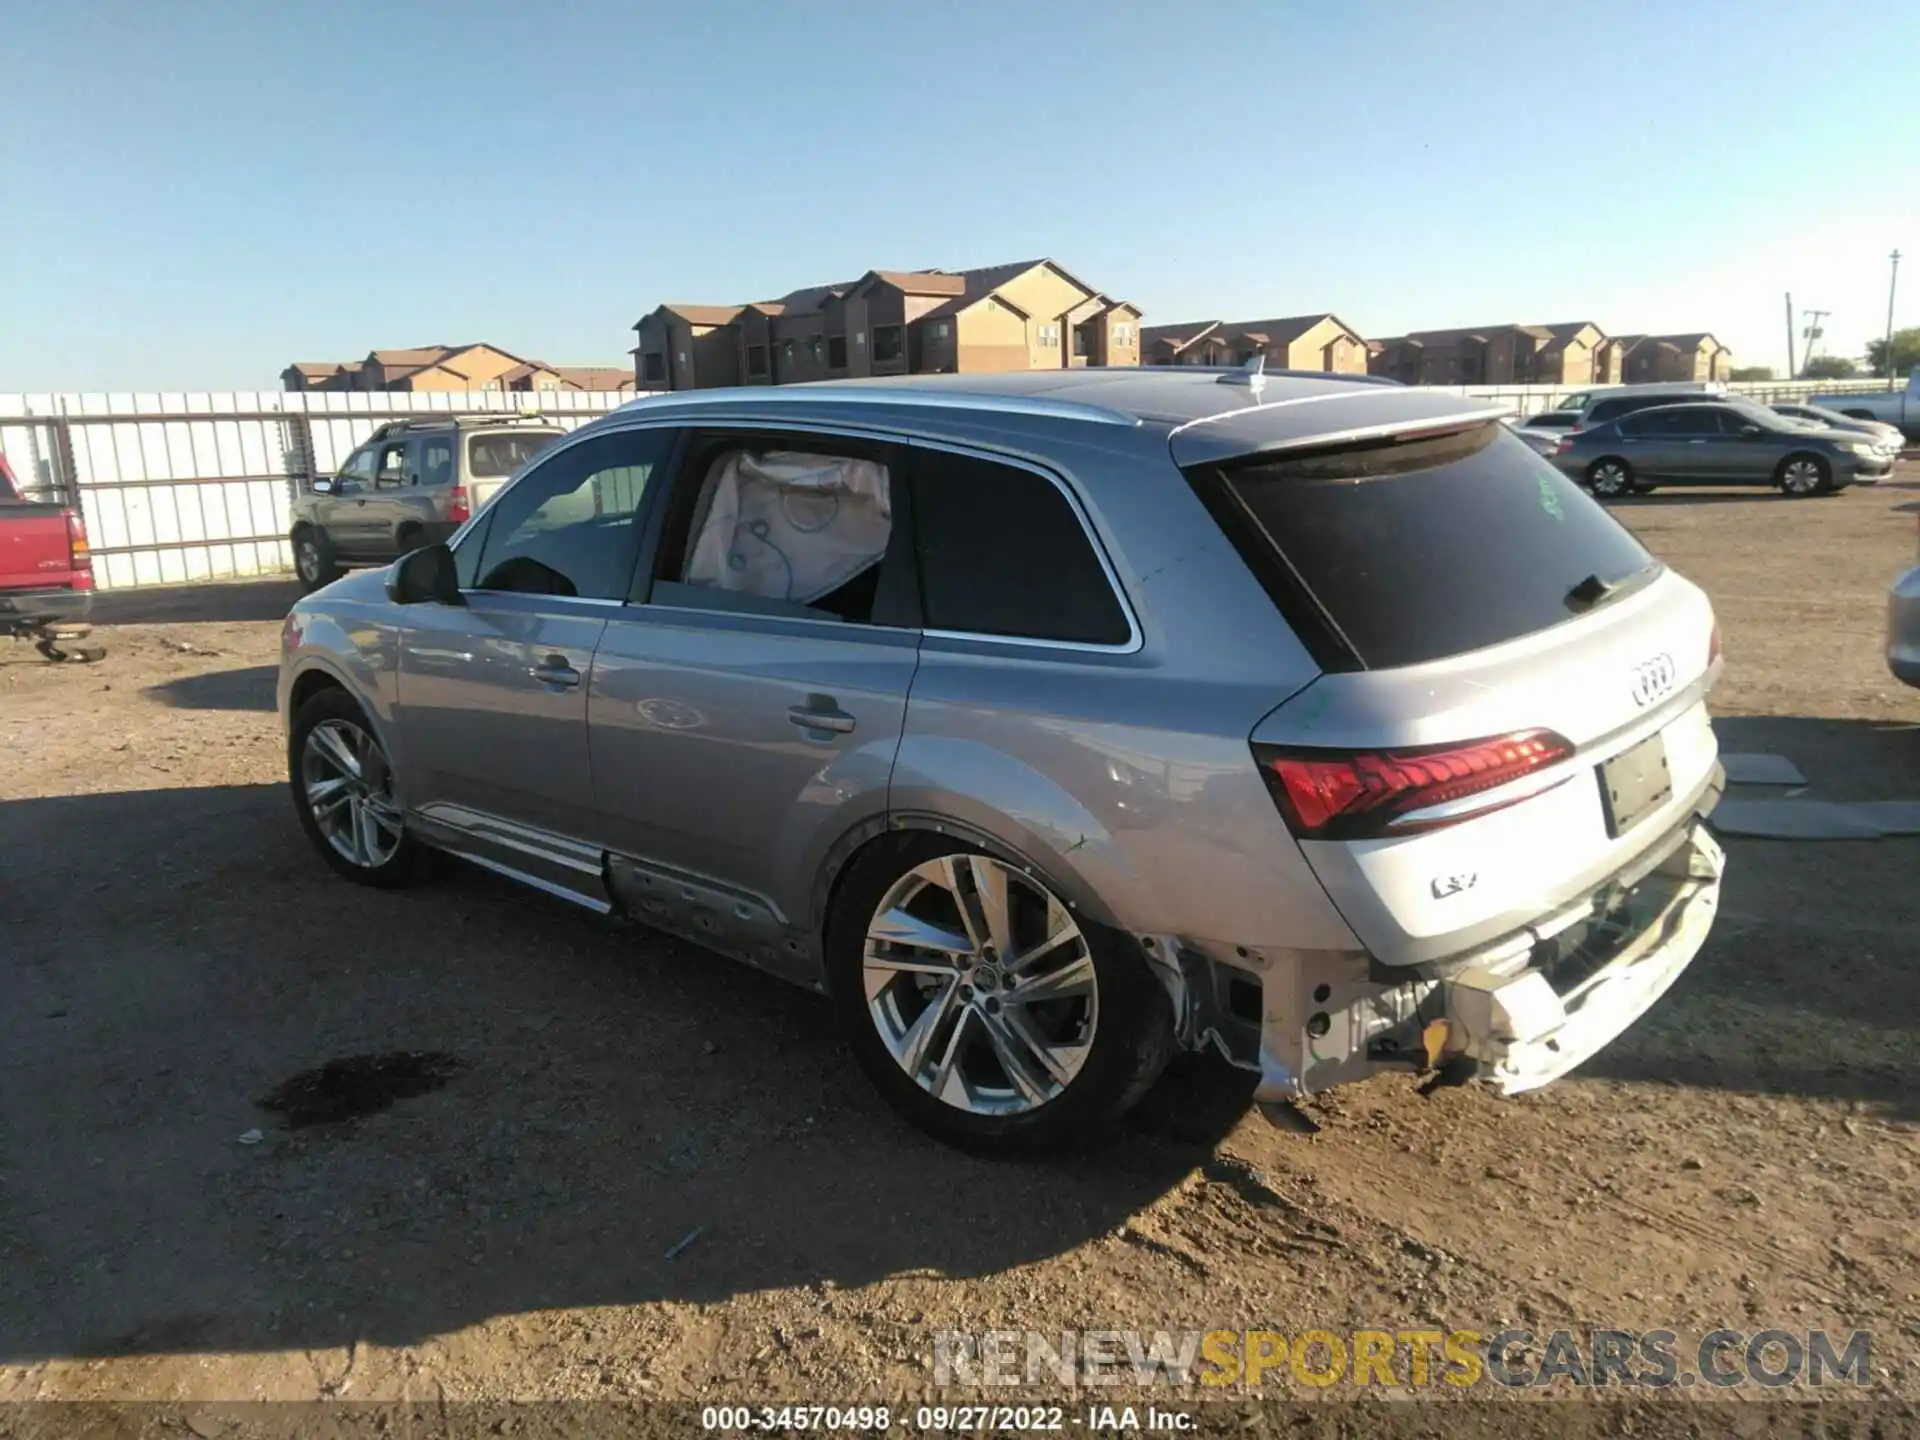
(1893, 281)
(1812, 333)
(1793, 370)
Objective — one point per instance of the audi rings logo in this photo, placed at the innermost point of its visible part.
(1652, 679)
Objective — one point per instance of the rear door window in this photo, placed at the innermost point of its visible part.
(493, 457)
(1003, 552)
(1413, 551)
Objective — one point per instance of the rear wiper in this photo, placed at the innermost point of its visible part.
(1594, 591)
(1588, 593)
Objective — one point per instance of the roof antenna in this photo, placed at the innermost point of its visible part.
(1253, 374)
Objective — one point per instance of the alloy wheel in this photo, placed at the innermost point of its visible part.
(306, 558)
(348, 787)
(1801, 477)
(981, 985)
(1609, 479)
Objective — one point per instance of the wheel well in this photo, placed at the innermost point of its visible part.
(1610, 460)
(302, 526)
(407, 526)
(307, 685)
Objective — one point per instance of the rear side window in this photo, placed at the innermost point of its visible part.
(491, 456)
(1003, 553)
(1418, 550)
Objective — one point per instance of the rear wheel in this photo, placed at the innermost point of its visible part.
(344, 792)
(1802, 475)
(1610, 477)
(982, 1007)
(313, 558)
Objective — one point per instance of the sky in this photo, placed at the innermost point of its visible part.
(194, 195)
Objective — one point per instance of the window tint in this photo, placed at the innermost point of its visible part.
(359, 465)
(1647, 424)
(568, 527)
(1553, 420)
(491, 456)
(1693, 420)
(1003, 553)
(1429, 548)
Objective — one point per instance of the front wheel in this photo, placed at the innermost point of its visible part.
(1610, 478)
(344, 792)
(982, 1007)
(1802, 475)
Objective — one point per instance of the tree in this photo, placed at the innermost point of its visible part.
(1828, 367)
(1751, 372)
(1906, 352)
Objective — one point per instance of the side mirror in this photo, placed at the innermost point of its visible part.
(322, 486)
(423, 577)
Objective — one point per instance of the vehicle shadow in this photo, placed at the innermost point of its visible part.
(248, 689)
(610, 1098)
(1807, 985)
(221, 600)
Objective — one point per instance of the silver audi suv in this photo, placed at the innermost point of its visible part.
(1052, 723)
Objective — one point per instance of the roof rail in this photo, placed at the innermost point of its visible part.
(922, 397)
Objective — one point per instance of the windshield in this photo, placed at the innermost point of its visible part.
(1427, 548)
(1574, 402)
(492, 456)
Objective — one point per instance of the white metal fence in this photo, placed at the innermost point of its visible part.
(179, 487)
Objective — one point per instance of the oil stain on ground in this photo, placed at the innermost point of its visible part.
(358, 1085)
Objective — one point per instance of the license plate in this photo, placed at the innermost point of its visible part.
(1634, 784)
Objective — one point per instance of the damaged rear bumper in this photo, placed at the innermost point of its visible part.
(1524, 1024)
(1517, 1013)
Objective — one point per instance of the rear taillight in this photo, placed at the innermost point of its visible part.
(459, 507)
(1354, 795)
(79, 553)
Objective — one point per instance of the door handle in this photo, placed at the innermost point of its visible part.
(821, 712)
(555, 670)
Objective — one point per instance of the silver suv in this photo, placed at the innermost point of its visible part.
(413, 483)
(1050, 723)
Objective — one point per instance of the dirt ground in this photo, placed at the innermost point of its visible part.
(170, 951)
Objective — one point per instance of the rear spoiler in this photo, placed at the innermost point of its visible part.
(1330, 420)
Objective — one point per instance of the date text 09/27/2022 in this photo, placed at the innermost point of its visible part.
(945, 1419)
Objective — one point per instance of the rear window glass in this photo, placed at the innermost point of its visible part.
(1428, 548)
(492, 456)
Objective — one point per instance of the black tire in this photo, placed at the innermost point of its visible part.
(407, 861)
(1610, 477)
(1131, 1044)
(1791, 476)
(1640, 487)
(313, 558)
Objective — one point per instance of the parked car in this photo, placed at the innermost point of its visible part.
(1542, 432)
(1899, 408)
(46, 574)
(1596, 407)
(1887, 437)
(1051, 723)
(1717, 443)
(1903, 621)
(413, 483)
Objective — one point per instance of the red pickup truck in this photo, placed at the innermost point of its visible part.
(46, 574)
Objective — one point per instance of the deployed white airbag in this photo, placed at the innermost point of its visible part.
(789, 526)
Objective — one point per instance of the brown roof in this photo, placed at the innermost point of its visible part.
(1179, 335)
(920, 282)
(420, 355)
(704, 314)
(1687, 342)
(526, 368)
(323, 368)
(596, 377)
